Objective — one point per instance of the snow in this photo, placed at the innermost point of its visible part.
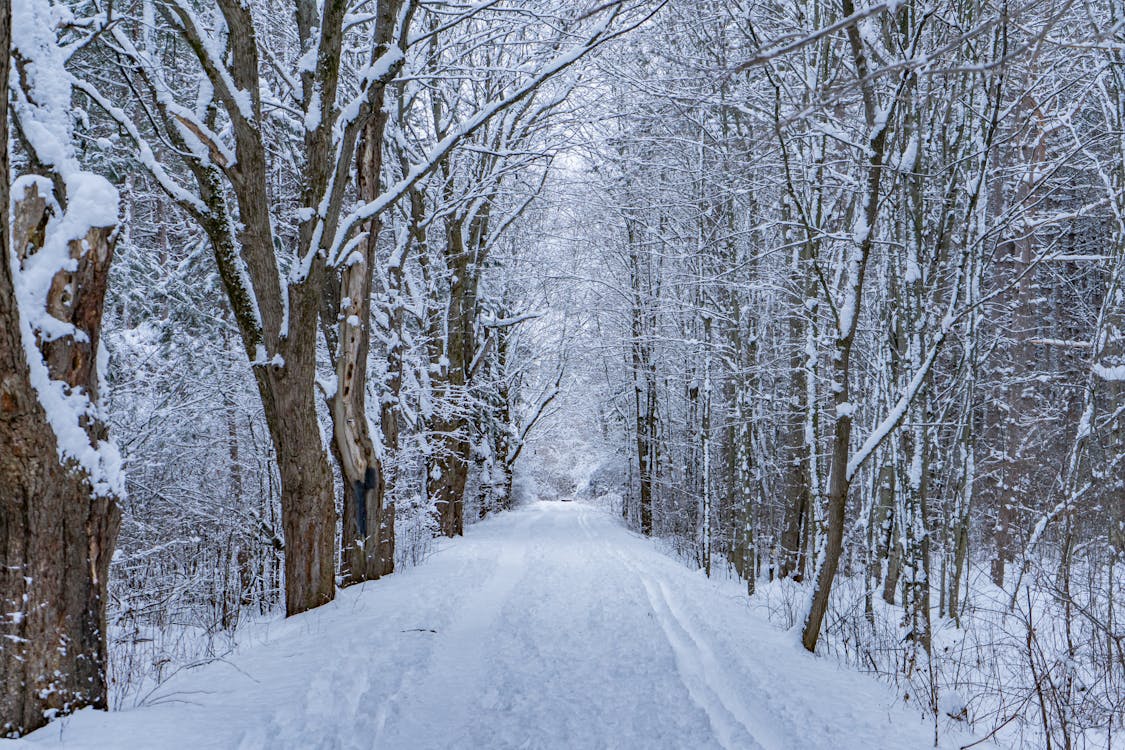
(382, 67)
(328, 385)
(43, 112)
(312, 117)
(860, 229)
(306, 63)
(913, 271)
(909, 160)
(91, 202)
(548, 627)
(1116, 374)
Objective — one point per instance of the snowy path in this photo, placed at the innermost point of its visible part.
(548, 627)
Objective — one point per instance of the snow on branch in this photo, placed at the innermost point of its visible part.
(601, 34)
(512, 320)
(1114, 374)
(784, 46)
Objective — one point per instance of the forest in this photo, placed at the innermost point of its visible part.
(305, 300)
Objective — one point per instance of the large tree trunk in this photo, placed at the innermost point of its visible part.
(287, 391)
(55, 545)
(364, 523)
(56, 535)
(360, 467)
(308, 510)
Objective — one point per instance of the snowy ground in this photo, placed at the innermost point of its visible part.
(548, 627)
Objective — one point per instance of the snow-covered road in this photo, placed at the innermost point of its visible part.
(548, 627)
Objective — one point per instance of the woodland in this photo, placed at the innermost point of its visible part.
(827, 299)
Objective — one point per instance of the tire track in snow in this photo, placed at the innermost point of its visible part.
(760, 723)
(707, 683)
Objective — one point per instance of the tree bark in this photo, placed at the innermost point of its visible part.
(839, 479)
(450, 464)
(348, 302)
(308, 509)
(56, 535)
(644, 388)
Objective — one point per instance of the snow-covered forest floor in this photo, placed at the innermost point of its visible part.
(551, 626)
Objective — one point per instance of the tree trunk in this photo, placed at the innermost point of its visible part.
(838, 485)
(449, 466)
(308, 508)
(448, 474)
(644, 391)
(839, 480)
(350, 302)
(705, 448)
(802, 477)
(360, 467)
(277, 318)
(55, 545)
(287, 392)
(1016, 471)
(56, 535)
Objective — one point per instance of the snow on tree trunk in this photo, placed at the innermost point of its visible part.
(59, 472)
